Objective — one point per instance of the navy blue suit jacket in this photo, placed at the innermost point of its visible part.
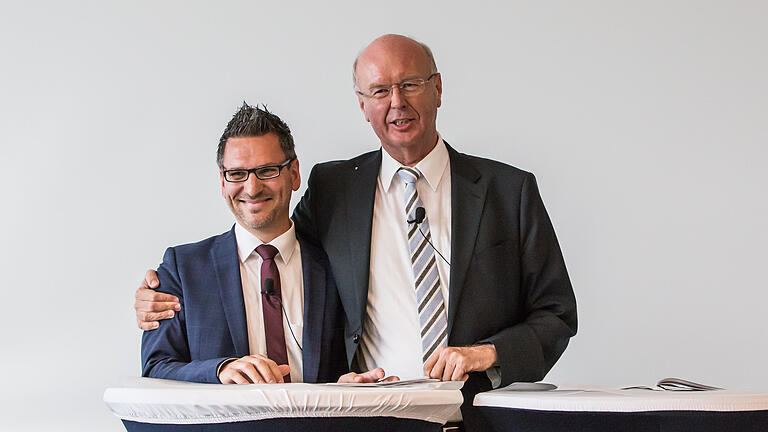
(211, 325)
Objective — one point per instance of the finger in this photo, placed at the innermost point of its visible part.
(391, 378)
(284, 370)
(148, 325)
(277, 371)
(448, 370)
(148, 295)
(265, 369)
(229, 375)
(236, 377)
(152, 306)
(154, 316)
(250, 371)
(347, 377)
(150, 279)
(431, 361)
(437, 369)
(459, 374)
(372, 375)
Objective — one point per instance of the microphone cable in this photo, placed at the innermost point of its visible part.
(269, 291)
(418, 218)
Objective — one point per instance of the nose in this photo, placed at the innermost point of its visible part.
(253, 185)
(396, 100)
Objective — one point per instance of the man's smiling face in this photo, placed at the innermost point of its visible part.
(404, 124)
(260, 206)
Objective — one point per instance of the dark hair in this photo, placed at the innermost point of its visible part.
(252, 121)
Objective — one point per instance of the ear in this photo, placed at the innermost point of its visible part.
(361, 101)
(295, 175)
(439, 86)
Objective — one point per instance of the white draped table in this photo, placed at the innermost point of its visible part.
(597, 409)
(143, 402)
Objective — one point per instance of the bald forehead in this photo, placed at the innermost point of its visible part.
(395, 49)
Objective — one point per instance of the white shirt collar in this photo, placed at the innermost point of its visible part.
(432, 166)
(247, 243)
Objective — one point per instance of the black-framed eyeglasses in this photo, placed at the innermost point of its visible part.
(264, 172)
(410, 87)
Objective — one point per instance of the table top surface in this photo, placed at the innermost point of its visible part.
(150, 400)
(596, 399)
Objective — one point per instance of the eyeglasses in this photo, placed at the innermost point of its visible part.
(410, 87)
(264, 172)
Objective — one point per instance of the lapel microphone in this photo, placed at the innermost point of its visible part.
(418, 218)
(268, 289)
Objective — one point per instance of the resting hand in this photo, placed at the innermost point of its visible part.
(454, 363)
(253, 369)
(152, 306)
(372, 376)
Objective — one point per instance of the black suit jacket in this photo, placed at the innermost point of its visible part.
(212, 327)
(509, 284)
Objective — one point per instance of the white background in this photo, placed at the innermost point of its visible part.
(645, 123)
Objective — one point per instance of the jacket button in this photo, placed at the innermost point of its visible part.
(356, 338)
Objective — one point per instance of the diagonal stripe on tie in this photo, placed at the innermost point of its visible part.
(429, 297)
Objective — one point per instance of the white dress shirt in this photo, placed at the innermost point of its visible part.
(391, 336)
(288, 260)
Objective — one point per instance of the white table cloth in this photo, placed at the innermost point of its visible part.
(148, 400)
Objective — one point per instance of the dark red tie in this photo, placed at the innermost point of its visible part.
(270, 305)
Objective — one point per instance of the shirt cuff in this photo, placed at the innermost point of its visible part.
(494, 374)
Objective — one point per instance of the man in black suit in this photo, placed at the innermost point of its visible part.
(507, 309)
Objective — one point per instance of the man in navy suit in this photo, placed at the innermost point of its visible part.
(259, 304)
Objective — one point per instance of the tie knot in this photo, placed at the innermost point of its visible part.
(266, 252)
(409, 175)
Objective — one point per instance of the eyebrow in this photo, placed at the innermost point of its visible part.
(378, 85)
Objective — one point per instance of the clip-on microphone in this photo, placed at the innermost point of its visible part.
(418, 218)
(269, 290)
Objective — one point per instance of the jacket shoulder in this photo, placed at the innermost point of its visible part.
(491, 167)
(341, 165)
(202, 247)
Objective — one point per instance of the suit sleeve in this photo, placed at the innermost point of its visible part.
(165, 351)
(528, 350)
(303, 214)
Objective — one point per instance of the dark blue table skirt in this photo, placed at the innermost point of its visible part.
(517, 420)
(302, 424)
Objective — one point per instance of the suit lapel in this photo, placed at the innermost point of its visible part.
(314, 308)
(227, 265)
(360, 196)
(467, 199)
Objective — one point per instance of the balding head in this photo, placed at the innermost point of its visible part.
(399, 92)
(394, 42)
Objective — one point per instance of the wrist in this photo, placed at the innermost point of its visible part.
(486, 356)
(222, 365)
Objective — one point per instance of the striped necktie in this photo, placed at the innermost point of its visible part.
(429, 296)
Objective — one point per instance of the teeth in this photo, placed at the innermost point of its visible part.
(400, 122)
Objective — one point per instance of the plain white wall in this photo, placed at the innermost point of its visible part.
(645, 123)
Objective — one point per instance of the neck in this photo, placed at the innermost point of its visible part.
(411, 155)
(273, 231)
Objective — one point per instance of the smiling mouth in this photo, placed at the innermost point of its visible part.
(400, 122)
(254, 202)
